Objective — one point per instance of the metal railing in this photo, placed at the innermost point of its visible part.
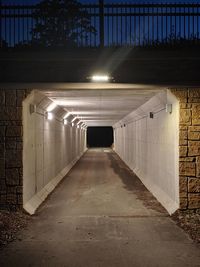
(116, 24)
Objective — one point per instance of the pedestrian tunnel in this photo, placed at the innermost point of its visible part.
(145, 125)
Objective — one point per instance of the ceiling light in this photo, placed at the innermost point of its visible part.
(51, 107)
(79, 122)
(74, 119)
(67, 115)
(65, 121)
(72, 124)
(100, 78)
(49, 116)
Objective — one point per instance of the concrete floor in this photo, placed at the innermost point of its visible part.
(101, 215)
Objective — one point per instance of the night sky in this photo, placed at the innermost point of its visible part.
(106, 1)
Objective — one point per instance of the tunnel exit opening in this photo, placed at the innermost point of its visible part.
(100, 136)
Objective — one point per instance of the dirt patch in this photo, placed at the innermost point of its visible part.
(10, 224)
(132, 183)
(189, 221)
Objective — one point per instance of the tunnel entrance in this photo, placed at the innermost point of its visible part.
(99, 136)
(59, 125)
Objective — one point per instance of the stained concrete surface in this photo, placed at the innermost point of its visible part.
(101, 215)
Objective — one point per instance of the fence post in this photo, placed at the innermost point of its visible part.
(1, 41)
(101, 22)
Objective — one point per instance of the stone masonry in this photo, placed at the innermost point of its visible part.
(189, 147)
(11, 148)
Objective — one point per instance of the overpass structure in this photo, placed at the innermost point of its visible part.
(156, 133)
(152, 103)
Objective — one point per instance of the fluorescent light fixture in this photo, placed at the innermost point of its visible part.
(65, 121)
(79, 122)
(74, 119)
(51, 107)
(49, 116)
(100, 78)
(67, 115)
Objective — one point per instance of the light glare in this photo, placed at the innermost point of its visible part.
(67, 115)
(100, 78)
(74, 119)
(51, 107)
(49, 116)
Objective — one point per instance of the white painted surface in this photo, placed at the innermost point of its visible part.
(150, 147)
(50, 150)
(105, 106)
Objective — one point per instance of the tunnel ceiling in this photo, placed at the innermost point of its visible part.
(101, 104)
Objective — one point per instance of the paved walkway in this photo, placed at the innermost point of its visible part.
(101, 216)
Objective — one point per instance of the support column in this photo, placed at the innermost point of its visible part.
(11, 148)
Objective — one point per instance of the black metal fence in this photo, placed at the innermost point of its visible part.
(115, 24)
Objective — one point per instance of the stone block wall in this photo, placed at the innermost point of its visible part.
(11, 148)
(189, 147)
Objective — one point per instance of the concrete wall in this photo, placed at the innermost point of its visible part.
(50, 150)
(148, 66)
(150, 147)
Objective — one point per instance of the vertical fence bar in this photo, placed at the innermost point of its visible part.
(1, 19)
(112, 18)
(139, 26)
(117, 27)
(171, 27)
(126, 26)
(134, 27)
(153, 26)
(10, 28)
(121, 22)
(14, 28)
(162, 18)
(193, 23)
(197, 23)
(157, 24)
(188, 17)
(130, 27)
(144, 23)
(184, 24)
(175, 17)
(166, 24)
(148, 22)
(101, 22)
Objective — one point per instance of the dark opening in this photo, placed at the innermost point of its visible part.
(99, 136)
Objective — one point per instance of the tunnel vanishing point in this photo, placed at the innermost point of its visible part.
(153, 106)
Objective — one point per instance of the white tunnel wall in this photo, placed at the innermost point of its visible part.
(50, 150)
(150, 147)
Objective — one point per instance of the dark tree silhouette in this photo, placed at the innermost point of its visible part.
(60, 23)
